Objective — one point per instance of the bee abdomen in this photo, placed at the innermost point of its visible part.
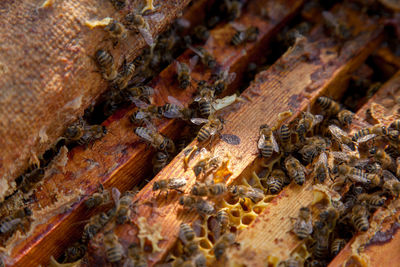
(203, 134)
(300, 178)
(275, 186)
(360, 133)
(114, 254)
(238, 38)
(205, 108)
(266, 151)
(302, 233)
(361, 223)
(321, 251)
(395, 125)
(284, 133)
(337, 245)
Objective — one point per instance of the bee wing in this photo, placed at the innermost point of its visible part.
(358, 178)
(261, 141)
(346, 148)
(183, 22)
(238, 26)
(337, 155)
(139, 103)
(362, 163)
(145, 136)
(275, 146)
(198, 121)
(175, 101)
(157, 17)
(146, 35)
(197, 51)
(336, 131)
(323, 158)
(318, 119)
(140, 115)
(177, 183)
(221, 103)
(150, 126)
(193, 62)
(366, 138)
(116, 195)
(178, 66)
(387, 176)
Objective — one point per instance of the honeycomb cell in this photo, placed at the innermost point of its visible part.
(205, 243)
(248, 219)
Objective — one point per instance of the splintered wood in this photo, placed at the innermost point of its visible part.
(382, 239)
(120, 159)
(313, 67)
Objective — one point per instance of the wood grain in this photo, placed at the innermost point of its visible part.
(276, 90)
(48, 77)
(120, 159)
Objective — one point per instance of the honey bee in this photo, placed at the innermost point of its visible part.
(205, 98)
(116, 30)
(169, 184)
(160, 160)
(200, 190)
(366, 134)
(137, 21)
(307, 123)
(92, 133)
(135, 258)
(395, 125)
(98, 198)
(321, 248)
(276, 181)
(175, 109)
(217, 189)
(337, 245)
(123, 205)
(302, 227)
(183, 71)
(359, 218)
(222, 244)
(114, 250)
(74, 252)
(137, 92)
(285, 135)
(340, 136)
(186, 233)
(267, 143)
(206, 58)
(205, 165)
(105, 61)
(201, 33)
(200, 260)
(245, 35)
(320, 168)
(30, 179)
(291, 262)
(191, 248)
(354, 174)
(96, 223)
(310, 151)
(295, 170)
(241, 191)
(374, 200)
(233, 9)
(223, 219)
(123, 78)
(118, 4)
(330, 106)
(392, 151)
(156, 140)
(212, 126)
(10, 223)
(391, 183)
(394, 136)
(382, 157)
(222, 79)
(201, 205)
(345, 117)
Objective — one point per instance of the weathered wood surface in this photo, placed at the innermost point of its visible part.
(47, 76)
(120, 159)
(377, 249)
(276, 90)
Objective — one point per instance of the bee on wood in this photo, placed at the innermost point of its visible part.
(285, 135)
(98, 198)
(118, 4)
(276, 181)
(74, 252)
(156, 140)
(123, 205)
(200, 190)
(10, 223)
(330, 106)
(217, 189)
(175, 109)
(206, 58)
(123, 78)
(202, 206)
(382, 157)
(30, 179)
(116, 30)
(114, 250)
(345, 117)
(241, 191)
(321, 171)
(337, 245)
(242, 36)
(96, 223)
(321, 248)
(183, 71)
(205, 165)
(213, 125)
(105, 61)
(138, 92)
(205, 98)
(137, 22)
(169, 184)
(391, 183)
(295, 170)
(201, 33)
(302, 227)
(307, 123)
(222, 244)
(92, 133)
(186, 233)
(374, 200)
(223, 219)
(267, 143)
(339, 135)
(160, 160)
(354, 174)
(222, 79)
(359, 218)
(366, 134)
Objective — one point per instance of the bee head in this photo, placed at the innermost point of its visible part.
(156, 186)
(384, 130)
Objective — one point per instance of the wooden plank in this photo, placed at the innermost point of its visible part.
(367, 247)
(120, 159)
(276, 90)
